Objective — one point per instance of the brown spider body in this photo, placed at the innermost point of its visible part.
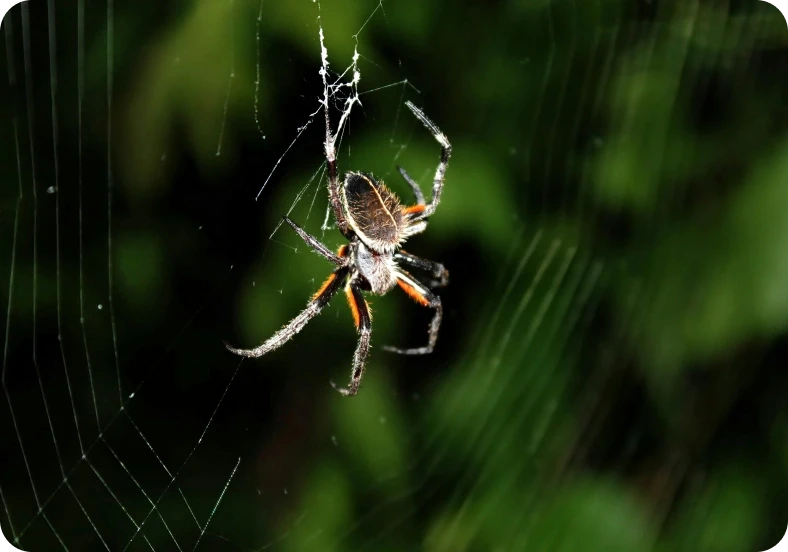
(382, 224)
(373, 211)
(376, 224)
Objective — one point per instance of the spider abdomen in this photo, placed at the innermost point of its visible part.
(373, 211)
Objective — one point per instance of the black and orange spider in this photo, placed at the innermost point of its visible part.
(372, 218)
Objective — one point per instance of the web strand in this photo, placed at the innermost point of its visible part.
(491, 414)
(230, 80)
(80, 174)
(12, 270)
(43, 504)
(110, 188)
(257, 73)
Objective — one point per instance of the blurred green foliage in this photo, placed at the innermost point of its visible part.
(610, 376)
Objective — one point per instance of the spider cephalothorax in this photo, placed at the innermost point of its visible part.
(376, 224)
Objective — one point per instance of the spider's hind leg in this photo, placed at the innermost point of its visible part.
(426, 298)
(363, 320)
(437, 270)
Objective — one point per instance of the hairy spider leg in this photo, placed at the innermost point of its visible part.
(423, 296)
(413, 186)
(363, 319)
(317, 247)
(333, 178)
(416, 222)
(333, 284)
(437, 269)
(440, 172)
(414, 210)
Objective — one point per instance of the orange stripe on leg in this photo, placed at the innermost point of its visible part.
(413, 293)
(353, 306)
(413, 209)
(342, 251)
(324, 286)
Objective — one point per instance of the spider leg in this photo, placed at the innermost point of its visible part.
(313, 308)
(316, 246)
(423, 296)
(333, 179)
(440, 172)
(415, 221)
(363, 320)
(437, 269)
(413, 186)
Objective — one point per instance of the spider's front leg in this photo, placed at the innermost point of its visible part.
(363, 320)
(440, 172)
(414, 186)
(330, 151)
(313, 308)
(426, 298)
(316, 246)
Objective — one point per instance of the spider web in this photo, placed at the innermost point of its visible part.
(147, 171)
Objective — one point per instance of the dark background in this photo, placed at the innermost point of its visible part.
(609, 374)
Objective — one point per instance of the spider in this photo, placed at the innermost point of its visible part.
(372, 219)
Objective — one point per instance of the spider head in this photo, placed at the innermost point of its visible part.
(374, 212)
